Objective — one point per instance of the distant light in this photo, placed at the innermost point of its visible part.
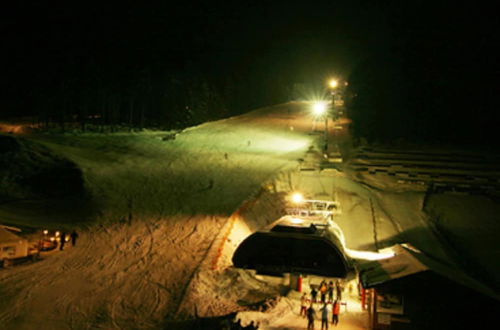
(57, 233)
(296, 221)
(297, 197)
(319, 108)
(45, 232)
(333, 83)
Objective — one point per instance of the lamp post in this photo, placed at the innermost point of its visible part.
(333, 84)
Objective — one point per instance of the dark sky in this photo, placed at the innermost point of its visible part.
(302, 35)
(300, 40)
(335, 34)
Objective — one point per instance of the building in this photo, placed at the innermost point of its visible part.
(11, 246)
(414, 291)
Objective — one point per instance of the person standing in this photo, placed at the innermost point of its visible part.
(323, 288)
(330, 291)
(311, 315)
(339, 288)
(314, 294)
(335, 312)
(303, 305)
(74, 236)
(62, 241)
(324, 317)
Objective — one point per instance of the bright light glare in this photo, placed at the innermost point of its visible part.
(368, 255)
(281, 144)
(333, 83)
(319, 108)
(297, 197)
(296, 221)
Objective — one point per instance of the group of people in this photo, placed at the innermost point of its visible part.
(329, 289)
(73, 236)
(307, 305)
(310, 313)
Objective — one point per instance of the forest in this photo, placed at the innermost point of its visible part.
(416, 73)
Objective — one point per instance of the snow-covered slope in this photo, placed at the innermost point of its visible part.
(163, 205)
(171, 212)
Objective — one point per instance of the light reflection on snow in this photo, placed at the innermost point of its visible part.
(355, 254)
(369, 255)
(283, 144)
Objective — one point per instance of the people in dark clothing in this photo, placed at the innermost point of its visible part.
(311, 315)
(62, 241)
(324, 317)
(339, 288)
(74, 236)
(331, 287)
(251, 326)
(314, 294)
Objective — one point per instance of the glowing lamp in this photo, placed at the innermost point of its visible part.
(297, 197)
(319, 108)
(333, 83)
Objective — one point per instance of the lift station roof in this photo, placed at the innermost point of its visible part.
(293, 245)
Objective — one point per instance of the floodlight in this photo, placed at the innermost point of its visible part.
(297, 197)
(319, 108)
(333, 83)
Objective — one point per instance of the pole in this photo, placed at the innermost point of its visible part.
(326, 134)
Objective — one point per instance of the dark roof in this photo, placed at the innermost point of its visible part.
(407, 262)
(293, 245)
(8, 237)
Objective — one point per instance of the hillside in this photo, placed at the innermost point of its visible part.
(160, 217)
(162, 206)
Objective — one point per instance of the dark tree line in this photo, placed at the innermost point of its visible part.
(150, 95)
(168, 67)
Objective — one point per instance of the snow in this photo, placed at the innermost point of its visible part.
(155, 251)
(146, 258)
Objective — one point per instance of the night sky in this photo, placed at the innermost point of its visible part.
(422, 54)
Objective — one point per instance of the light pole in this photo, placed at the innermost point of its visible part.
(333, 84)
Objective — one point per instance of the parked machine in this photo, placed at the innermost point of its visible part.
(13, 247)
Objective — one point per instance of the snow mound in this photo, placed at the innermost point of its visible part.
(30, 170)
